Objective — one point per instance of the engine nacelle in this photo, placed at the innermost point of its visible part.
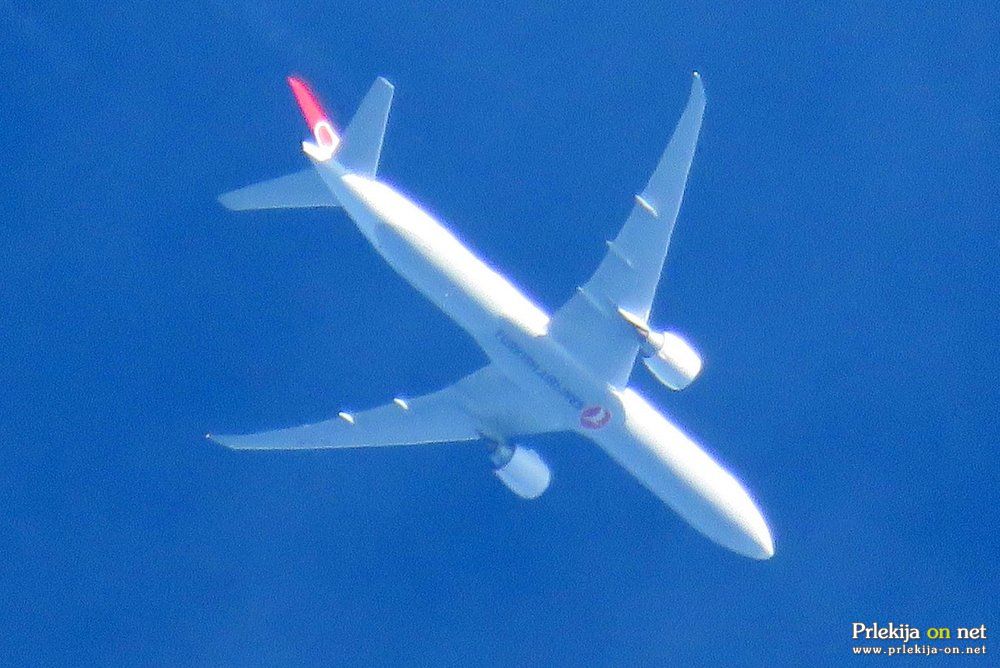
(521, 470)
(672, 360)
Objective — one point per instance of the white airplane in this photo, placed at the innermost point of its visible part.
(567, 371)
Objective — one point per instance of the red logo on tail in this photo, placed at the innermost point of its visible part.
(314, 114)
(311, 109)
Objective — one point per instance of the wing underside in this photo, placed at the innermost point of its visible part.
(589, 324)
(483, 404)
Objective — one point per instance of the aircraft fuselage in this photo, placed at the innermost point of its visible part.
(512, 331)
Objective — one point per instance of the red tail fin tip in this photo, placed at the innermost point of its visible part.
(313, 112)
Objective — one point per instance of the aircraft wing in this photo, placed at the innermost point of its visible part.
(484, 403)
(589, 324)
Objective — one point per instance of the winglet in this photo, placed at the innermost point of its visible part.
(326, 137)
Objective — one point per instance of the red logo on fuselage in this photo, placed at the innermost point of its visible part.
(594, 417)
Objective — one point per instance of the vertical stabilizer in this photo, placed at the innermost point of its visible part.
(327, 139)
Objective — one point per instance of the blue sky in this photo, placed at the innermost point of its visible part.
(835, 261)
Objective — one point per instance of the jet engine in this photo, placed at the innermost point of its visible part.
(671, 359)
(521, 470)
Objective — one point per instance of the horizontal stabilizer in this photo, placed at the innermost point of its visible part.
(301, 190)
(361, 144)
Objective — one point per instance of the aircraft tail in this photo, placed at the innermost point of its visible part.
(360, 147)
(327, 139)
(357, 150)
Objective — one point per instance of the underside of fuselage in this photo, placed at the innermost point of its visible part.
(512, 331)
(564, 372)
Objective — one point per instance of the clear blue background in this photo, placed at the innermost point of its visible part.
(835, 261)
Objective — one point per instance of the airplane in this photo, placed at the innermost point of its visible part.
(562, 372)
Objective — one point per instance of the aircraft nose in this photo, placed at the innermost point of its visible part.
(737, 523)
(756, 542)
(763, 544)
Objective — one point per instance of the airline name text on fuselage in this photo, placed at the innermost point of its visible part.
(550, 380)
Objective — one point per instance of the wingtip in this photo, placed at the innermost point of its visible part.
(225, 199)
(228, 442)
(697, 85)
